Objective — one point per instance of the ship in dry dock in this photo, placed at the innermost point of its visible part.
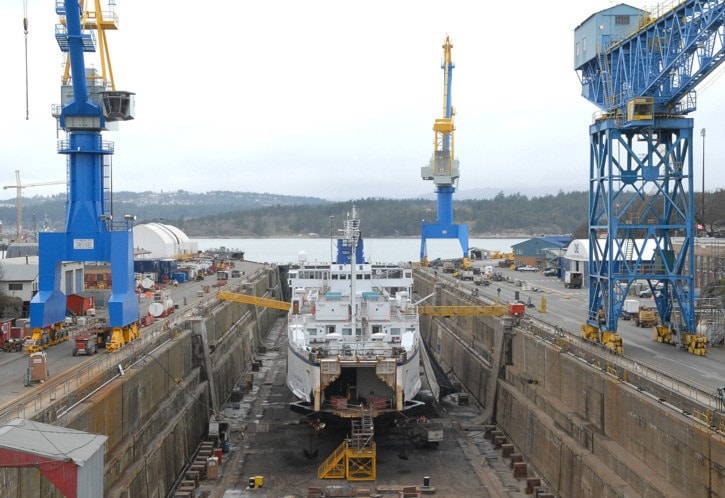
(353, 334)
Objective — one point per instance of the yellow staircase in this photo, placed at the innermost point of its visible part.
(355, 458)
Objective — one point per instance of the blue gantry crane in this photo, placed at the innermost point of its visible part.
(443, 169)
(641, 69)
(91, 104)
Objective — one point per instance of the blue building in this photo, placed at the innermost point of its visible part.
(541, 252)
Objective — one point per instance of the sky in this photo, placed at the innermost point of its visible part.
(329, 99)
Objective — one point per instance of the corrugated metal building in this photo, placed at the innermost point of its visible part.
(72, 460)
(601, 29)
(536, 252)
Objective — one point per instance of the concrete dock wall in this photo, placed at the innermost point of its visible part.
(156, 414)
(578, 423)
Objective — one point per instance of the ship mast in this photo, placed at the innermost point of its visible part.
(352, 235)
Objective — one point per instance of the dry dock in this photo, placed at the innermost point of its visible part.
(583, 421)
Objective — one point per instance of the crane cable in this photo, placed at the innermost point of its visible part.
(25, 30)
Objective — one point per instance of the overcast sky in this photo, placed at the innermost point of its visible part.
(331, 99)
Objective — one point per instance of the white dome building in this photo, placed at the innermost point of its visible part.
(159, 241)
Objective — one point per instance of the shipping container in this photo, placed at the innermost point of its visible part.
(79, 305)
(167, 267)
(180, 277)
(145, 265)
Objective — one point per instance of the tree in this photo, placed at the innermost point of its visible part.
(10, 307)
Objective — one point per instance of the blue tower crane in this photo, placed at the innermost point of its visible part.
(443, 169)
(641, 70)
(91, 233)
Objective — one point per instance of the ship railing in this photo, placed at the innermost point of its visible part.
(357, 405)
(351, 352)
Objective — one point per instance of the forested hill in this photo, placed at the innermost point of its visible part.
(564, 213)
(250, 214)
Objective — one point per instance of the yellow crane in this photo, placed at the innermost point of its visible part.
(257, 301)
(19, 187)
(513, 309)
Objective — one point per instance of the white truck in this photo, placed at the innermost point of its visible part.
(630, 309)
(573, 279)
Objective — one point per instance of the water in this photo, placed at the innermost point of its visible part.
(320, 250)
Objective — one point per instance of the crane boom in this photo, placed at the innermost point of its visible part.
(19, 187)
(256, 301)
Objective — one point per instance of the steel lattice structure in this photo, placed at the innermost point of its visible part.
(642, 72)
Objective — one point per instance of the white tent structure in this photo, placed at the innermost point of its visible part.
(158, 241)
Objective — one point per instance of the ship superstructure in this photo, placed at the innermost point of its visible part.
(353, 334)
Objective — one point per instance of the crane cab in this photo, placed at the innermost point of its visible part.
(641, 109)
(118, 105)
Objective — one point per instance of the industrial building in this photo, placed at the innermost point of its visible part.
(540, 251)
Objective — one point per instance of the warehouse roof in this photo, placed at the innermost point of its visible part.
(50, 441)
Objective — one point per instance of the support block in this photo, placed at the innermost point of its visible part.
(507, 450)
(531, 484)
(521, 469)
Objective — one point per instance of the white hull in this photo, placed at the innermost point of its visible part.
(353, 334)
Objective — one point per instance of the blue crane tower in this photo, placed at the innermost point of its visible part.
(443, 169)
(91, 233)
(641, 69)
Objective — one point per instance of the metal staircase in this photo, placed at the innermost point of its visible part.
(355, 458)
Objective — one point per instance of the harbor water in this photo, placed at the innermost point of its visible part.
(319, 250)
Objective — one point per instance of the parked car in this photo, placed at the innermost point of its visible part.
(551, 272)
(527, 268)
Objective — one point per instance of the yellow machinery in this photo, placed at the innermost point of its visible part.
(611, 340)
(120, 336)
(36, 342)
(646, 317)
(696, 344)
(663, 334)
(42, 338)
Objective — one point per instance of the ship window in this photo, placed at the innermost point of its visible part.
(346, 331)
(394, 331)
(359, 276)
(330, 329)
(358, 331)
(376, 329)
(368, 276)
(312, 331)
(334, 276)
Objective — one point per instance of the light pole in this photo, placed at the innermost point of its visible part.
(702, 207)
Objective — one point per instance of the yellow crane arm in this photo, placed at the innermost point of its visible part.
(492, 310)
(249, 299)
